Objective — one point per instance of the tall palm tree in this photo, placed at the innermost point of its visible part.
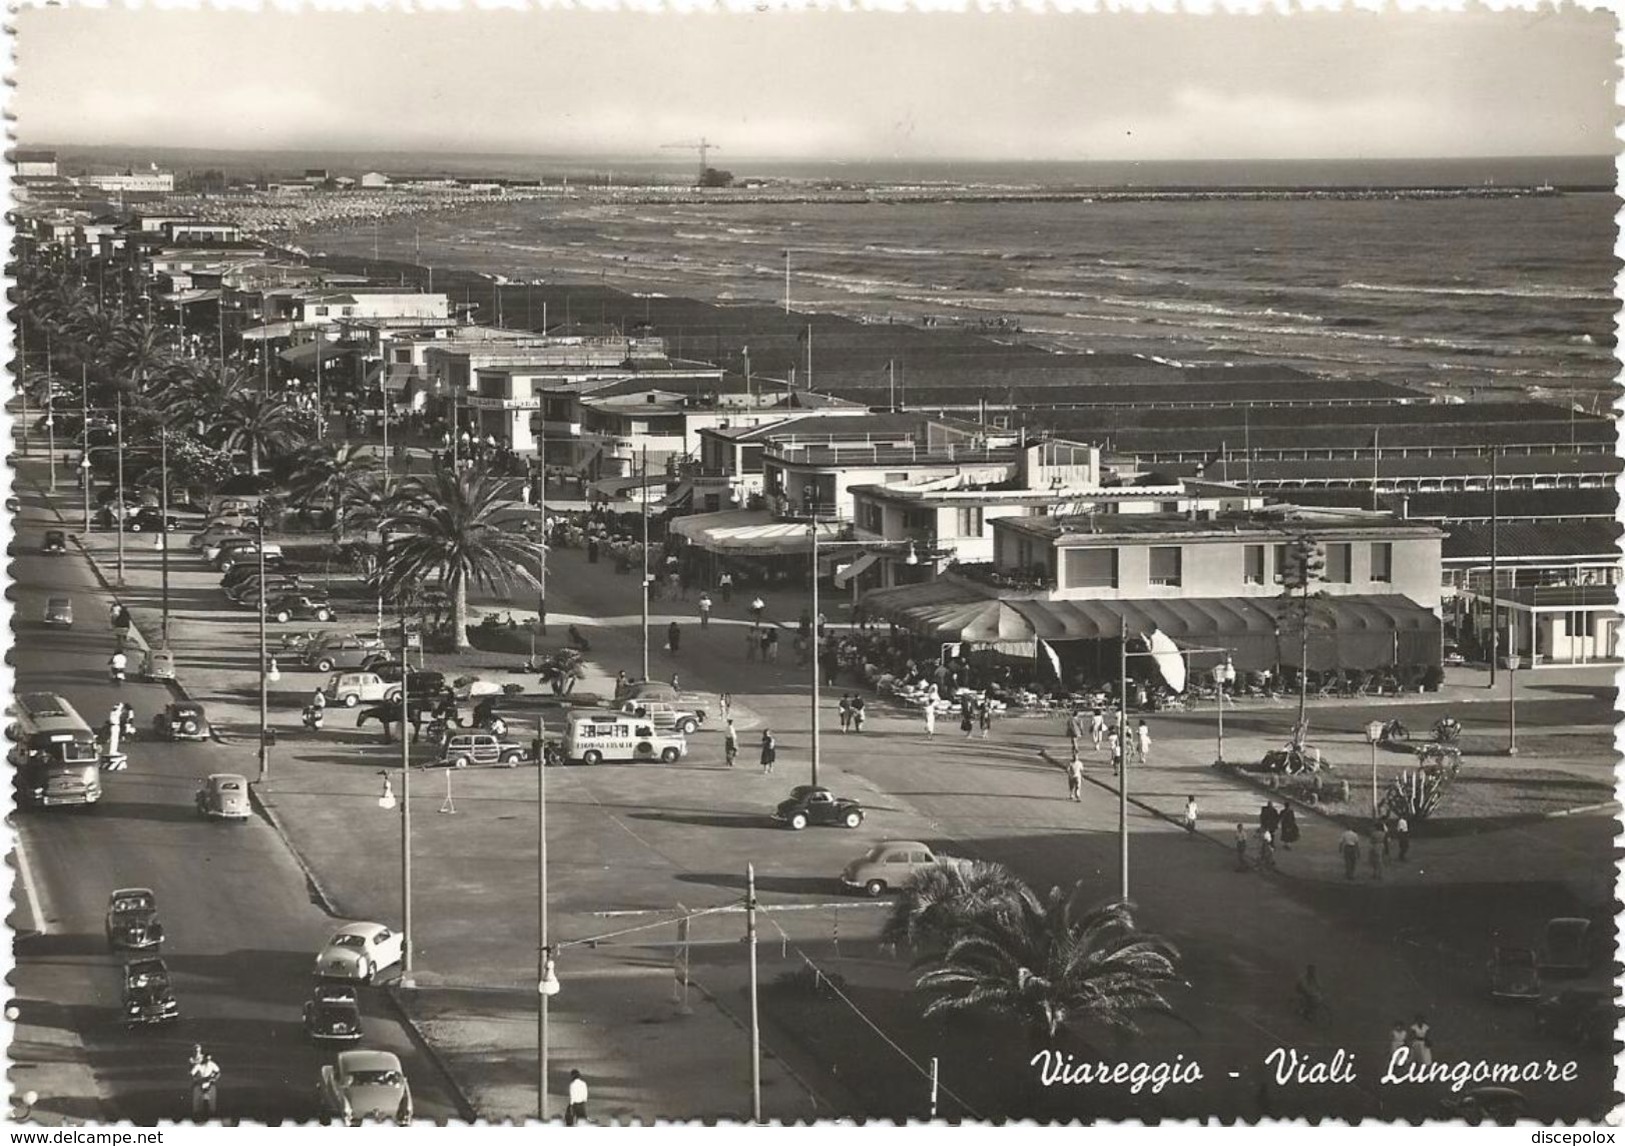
(940, 900)
(323, 472)
(443, 526)
(258, 425)
(1053, 965)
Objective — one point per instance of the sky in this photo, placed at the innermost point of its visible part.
(824, 85)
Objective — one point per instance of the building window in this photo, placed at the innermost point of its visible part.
(919, 521)
(1090, 568)
(1382, 561)
(321, 312)
(1280, 563)
(1339, 563)
(892, 479)
(969, 522)
(1168, 507)
(1252, 565)
(1167, 565)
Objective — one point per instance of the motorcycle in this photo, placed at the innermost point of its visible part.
(1447, 730)
(115, 673)
(312, 717)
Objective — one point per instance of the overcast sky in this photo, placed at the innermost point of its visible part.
(824, 85)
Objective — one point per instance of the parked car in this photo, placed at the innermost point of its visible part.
(351, 688)
(298, 606)
(887, 866)
(240, 555)
(56, 541)
(1587, 1016)
(514, 712)
(1514, 973)
(225, 543)
(223, 796)
(816, 805)
(150, 519)
(212, 535)
(333, 1015)
(247, 594)
(158, 665)
(665, 716)
(358, 951)
(1499, 1104)
(381, 660)
(59, 612)
(1567, 948)
(181, 720)
(341, 652)
(233, 519)
(418, 683)
(149, 1000)
(1452, 654)
(250, 572)
(465, 748)
(366, 1085)
(132, 920)
(650, 690)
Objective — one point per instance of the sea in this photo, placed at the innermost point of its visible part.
(1464, 294)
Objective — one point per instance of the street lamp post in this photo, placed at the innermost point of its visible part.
(268, 670)
(1511, 665)
(408, 937)
(1223, 676)
(163, 530)
(547, 983)
(50, 412)
(119, 514)
(1373, 736)
(645, 547)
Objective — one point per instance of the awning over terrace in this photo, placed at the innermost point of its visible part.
(751, 531)
(1345, 632)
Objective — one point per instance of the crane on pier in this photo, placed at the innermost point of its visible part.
(703, 145)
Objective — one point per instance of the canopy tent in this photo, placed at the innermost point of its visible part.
(1345, 632)
(750, 531)
(305, 353)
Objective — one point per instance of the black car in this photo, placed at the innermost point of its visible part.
(247, 593)
(381, 662)
(182, 720)
(333, 1015)
(812, 805)
(149, 999)
(132, 920)
(419, 685)
(241, 575)
(150, 520)
(297, 606)
(56, 541)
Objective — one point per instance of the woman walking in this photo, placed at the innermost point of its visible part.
(1289, 827)
(846, 712)
(770, 751)
(967, 724)
(930, 718)
(984, 716)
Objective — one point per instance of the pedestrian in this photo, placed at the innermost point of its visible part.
(1266, 850)
(984, 716)
(705, 609)
(1387, 836)
(1097, 728)
(622, 684)
(1349, 844)
(771, 644)
(673, 636)
(730, 744)
(1190, 814)
(1116, 746)
(726, 584)
(846, 712)
(770, 751)
(1143, 742)
(1289, 826)
(1374, 849)
(804, 624)
(858, 713)
(753, 642)
(1420, 1042)
(1074, 779)
(757, 608)
(576, 1112)
(726, 703)
(1269, 817)
(967, 723)
(831, 664)
(1399, 1037)
(930, 718)
(1074, 730)
(677, 684)
(1241, 847)
(1402, 832)
(205, 1087)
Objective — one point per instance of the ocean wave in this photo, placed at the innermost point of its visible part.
(1570, 294)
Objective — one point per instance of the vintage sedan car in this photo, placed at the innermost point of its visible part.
(364, 1085)
(468, 748)
(58, 612)
(212, 535)
(56, 541)
(1567, 949)
(181, 720)
(341, 652)
(887, 866)
(813, 805)
(223, 796)
(333, 1015)
(149, 1000)
(667, 717)
(1514, 973)
(1499, 1104)
(150, 519)
(225, 543)
(298, 606)
(237, 556)
(132, 920)
(247, 594)
(358, 951)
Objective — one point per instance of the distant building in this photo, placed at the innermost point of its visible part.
(131, 182)
(33, 162)
(374, 180)
(314, 175)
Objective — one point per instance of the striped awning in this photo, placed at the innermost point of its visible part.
(751, 531)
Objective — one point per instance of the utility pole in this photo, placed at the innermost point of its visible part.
(645, 562)
(50, 411)
(543, 952)
(786, 284)
(1122, 759)
(407, 934)
(547, 542)
(1495, 560)
(119, 515)
(265, 686)
(815, 644)
(755, 1014)
(809, 356)
(84, 428)
(163, 528)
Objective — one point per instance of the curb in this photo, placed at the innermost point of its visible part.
(318, 894)
(465, 1108)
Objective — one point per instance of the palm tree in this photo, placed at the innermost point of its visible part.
(326, 472)
(1052, 965)
(442, 526)
(939, 900)
(258, 424)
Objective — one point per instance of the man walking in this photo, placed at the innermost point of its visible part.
(1115, 744)
(726, 584)
(1402, 833)
(205, 1086)
(846, 712)
(1349, 844)
(757, 608)
(705, 610)
(673, 637)
(1269, 818)
(1375, 848)
(1190, 814)
(576, 1112)
(1074, 779)
(1074, 730)
(1241, 847)
(1097, 728)
(857, 712)
(1143, 741)
(730, 743)
(930, 718)
(770, 751)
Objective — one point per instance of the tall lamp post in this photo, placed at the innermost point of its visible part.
(1223, 677)
(387, 802)
(120, 514)
(1373, 736)
(1511, 665)
(268, 672)
(645, 547)
(547, 983)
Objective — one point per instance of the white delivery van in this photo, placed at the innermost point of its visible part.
(593, 737)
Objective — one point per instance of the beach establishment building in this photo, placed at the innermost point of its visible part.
(33, 162)
(374, 181)
(1068, 589)
(130, 183)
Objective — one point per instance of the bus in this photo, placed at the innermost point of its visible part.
(55, 753)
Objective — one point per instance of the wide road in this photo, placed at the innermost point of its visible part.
(241, 929)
